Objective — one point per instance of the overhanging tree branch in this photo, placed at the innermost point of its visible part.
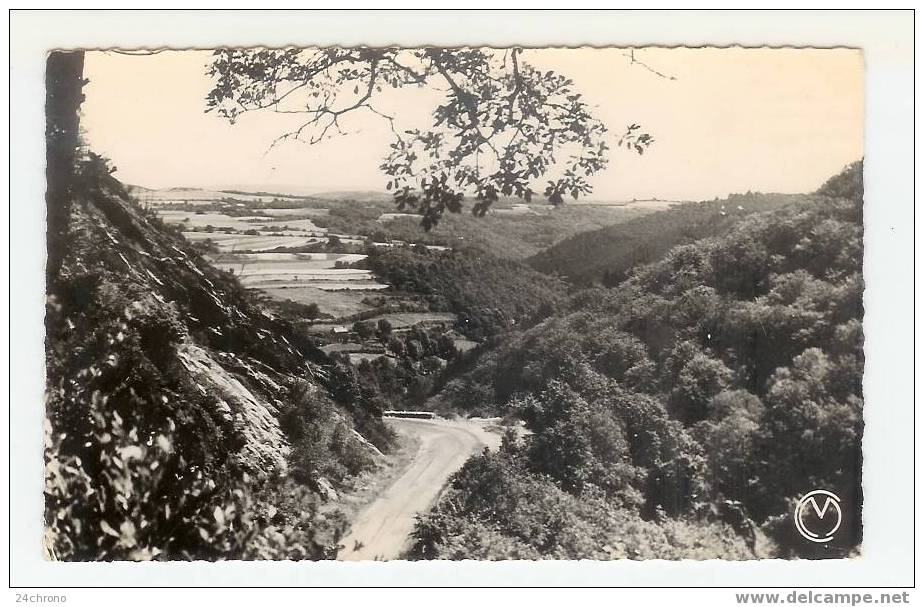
(495, 101)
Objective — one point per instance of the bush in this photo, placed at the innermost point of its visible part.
(495, 509)
(323, 445)
(139, 500)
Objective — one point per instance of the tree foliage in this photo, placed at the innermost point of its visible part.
(719, 383)
(489, 294)
(503, 126)
(607, 255)
(495, 509)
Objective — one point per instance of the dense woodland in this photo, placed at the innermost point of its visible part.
(489, 297)
(489, 294)
(606, 255)
(705, 393)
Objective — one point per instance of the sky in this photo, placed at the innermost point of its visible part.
(730, 120)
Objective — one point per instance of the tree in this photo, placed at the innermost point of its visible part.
(334, 244)
(311, 310)
(729, 431)
(846, 184)
(384, 327)
(414, 349)
(700, 379)
(497, 131)
(809, 437)
(395, 345)
(363, 329)
(63, 96)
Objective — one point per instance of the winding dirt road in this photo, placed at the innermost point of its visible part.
(383, 528)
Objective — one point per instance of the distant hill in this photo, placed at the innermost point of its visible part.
(512, 229)
(195, 194)
(261, 193)
(606, 255)
(354, 195)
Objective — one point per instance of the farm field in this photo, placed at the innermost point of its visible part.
(318, 258)
(282, 270)
(293, 224)
(335, 303)
(229, 243)
(464, 345)
(348, 347)
(193, 220)
(196, 195)
(305, 278)
(363, 283)
(398, 320)
(296, 212)
(358, 357)
(403, 320)
(391, 216)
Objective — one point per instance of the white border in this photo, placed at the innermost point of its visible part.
(885, 37)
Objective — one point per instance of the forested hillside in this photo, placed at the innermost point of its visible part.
(488, 293)
(506, 232)
(606, 255)
(687, 408)
(182, 421)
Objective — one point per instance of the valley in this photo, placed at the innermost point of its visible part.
(611, 409)
(297, 250)
(454, 352)
(361, 310)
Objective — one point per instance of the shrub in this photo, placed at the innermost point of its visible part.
(323, 445)
(496, 509)
(139, 500)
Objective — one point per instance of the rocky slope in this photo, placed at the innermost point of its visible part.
(156, 358)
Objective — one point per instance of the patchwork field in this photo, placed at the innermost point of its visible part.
(246, 230)
(337, 347)
(464, 345)
(288, 270)
(196, 195)
(293, 224)
(638, 205)
(296, 212)
(229, 243)
(305, 278)
(335, 303)
(198, 220)
(358, 357)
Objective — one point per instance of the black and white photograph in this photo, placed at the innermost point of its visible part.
(370, 302)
